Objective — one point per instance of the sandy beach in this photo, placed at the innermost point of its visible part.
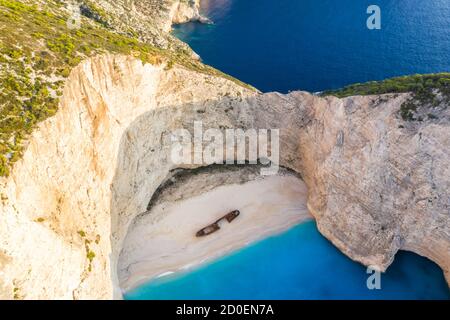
(163, 241)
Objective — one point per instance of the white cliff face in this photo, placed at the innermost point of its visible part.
(57, 204)
(185, 11)
(151, 20)
(375, 183)
(163, 239)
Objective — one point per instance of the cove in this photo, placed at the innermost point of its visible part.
(310, 45)
(297, 264)
(317, 45)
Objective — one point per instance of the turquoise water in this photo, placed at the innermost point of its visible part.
(321, 44)
(298, 264)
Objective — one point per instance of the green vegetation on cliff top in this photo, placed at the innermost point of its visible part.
(38, 51)
(428, 91)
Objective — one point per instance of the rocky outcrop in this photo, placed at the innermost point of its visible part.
(150, 20)
(377, 184)
(162, 240)
(186, 11)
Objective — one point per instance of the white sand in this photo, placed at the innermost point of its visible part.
(164, 241)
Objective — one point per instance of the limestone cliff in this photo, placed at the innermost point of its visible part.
(150, 20)
(67, 202)
(377, 182)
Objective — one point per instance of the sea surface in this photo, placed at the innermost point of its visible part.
(297, 264)
(313, 45)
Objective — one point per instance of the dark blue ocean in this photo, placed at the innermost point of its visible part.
(298, 264)
(283, 45)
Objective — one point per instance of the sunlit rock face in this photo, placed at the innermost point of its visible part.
(376, 184)
(150, 20)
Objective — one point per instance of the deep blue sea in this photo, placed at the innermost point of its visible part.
(298, 264)
(282, 45)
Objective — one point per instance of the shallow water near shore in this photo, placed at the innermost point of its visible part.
(297, 264)
(317, 45)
